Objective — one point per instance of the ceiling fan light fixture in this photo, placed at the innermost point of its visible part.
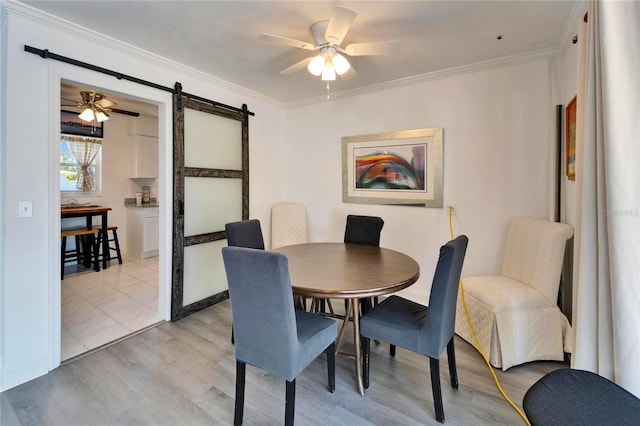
(340, 64)
(87, 115)
(316, 65)
(328, 72)
(101, 116)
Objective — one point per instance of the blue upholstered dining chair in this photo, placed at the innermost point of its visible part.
(245, 233)
(364, 230)
(269, 333)
(426, 330)
(569, 396)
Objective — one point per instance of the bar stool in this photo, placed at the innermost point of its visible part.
(114, 240)
(86, 243)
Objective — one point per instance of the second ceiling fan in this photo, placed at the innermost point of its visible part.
(96, 106)
(327, 39)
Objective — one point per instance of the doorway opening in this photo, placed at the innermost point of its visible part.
(97, 308)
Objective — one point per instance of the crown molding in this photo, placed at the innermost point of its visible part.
(19, 9)
(572, 25)
(435, 75)
(14, 7)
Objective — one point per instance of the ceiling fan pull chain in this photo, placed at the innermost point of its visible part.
(328, 96)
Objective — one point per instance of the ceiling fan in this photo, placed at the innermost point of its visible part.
(327, 37)
(96, 106)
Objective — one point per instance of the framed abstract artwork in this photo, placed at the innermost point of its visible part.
(403, 167)
(570, 139)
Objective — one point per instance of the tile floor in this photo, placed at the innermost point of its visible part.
(100, 307)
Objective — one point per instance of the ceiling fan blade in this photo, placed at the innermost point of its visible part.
(105, 103)
(297, 66)
(374, 48)
(351, 73)
(286, 41)
(71, 101)
(339, 24)
(121, 111)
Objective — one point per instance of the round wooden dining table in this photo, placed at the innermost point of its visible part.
(351, 272)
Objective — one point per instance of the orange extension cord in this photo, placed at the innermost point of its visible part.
(475, 339)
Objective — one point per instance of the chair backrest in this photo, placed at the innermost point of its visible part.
(440, 321)
(534, 254)
(264, 322)
(288, 224)
(245, 233)
(363, 230)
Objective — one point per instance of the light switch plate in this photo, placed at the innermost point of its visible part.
(25, 208)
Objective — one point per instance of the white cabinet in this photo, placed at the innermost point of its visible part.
(142, 231)
(150, 232)
(143, 156)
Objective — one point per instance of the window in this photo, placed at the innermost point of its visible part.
(74, 152)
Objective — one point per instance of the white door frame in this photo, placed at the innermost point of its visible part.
(164, 101)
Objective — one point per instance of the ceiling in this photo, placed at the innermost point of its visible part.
(220, 37)
(70, 98)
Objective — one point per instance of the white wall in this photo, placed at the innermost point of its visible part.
(498, 151)
(29, 284)
(497, 161)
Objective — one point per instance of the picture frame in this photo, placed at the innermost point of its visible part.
(71, 124)
(570, 139)
(397, 168)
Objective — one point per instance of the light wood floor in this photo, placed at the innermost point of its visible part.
(183, 373)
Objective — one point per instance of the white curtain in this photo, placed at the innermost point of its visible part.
(606, 303)
(84, 151)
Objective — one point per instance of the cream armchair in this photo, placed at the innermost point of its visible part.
(515, 315)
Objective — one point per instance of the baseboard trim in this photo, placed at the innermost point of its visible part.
(23, 372)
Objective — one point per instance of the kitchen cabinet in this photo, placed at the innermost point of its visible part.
(143, 231)
(143, 156)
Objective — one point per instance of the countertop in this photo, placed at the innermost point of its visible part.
(131, 202)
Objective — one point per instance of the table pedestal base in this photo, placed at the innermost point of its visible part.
(353, 309)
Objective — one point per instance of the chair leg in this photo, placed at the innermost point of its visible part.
(392, 350)
(366, 349)
(300, 303)
(85, 253)
(435, 386)
(233, 340)
(365, 305)
(117, 244)
(241, 368)
(451, 356)
(79, 250)
(96, 253)
(62, 256)
(331, 366)
(290, 404)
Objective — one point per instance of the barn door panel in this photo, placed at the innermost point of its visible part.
(211, 188)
